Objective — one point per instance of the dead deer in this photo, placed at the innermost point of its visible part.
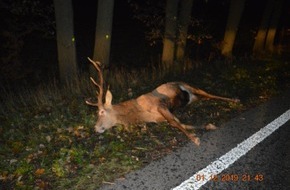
(153, 107)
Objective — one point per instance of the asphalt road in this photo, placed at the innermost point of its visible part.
(265, 166)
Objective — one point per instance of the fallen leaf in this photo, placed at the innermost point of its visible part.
(48, 138)
(41, 184)
(39, 172)
(13, 161)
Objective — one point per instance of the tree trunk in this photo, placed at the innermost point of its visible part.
(269, 46)
(235, 13)
(103, 31)
(65, 40)
(259, 44)
(170, 34)
(183, 22)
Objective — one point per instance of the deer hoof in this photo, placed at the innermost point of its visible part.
(210, 127)
(195, 140)
(236, 100)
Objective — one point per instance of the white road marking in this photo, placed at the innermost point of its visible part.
(203, 176)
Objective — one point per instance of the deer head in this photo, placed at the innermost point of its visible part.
(106, 113)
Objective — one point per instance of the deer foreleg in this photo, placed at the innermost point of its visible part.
(187, 127)
(173, 121)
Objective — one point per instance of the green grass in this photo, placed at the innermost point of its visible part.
(47, 139)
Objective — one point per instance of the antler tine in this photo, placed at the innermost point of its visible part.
(91, 103)
(95, 83)
(97, 65)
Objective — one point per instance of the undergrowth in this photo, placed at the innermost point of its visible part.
(47, 138)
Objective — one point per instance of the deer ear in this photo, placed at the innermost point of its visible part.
(109, 97)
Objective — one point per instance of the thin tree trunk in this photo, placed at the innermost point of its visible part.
(170, 34)
(235, 13)
(269, 46)
(259, 44)
(65, 40)
(103, 31)
(183, 22)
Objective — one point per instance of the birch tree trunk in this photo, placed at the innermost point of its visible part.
(65, 40)
(235, 13)
(103, 31)
(170, 34)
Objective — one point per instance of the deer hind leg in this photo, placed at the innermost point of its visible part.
(173, 121)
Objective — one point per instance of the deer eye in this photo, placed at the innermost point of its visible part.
(102, 112)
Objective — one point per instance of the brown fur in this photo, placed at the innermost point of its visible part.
(154, 106)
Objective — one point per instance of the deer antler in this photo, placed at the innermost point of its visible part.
(100, 86)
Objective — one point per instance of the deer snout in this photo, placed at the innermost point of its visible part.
(99, 129)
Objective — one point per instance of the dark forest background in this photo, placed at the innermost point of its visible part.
(29, 48)
(47, 140)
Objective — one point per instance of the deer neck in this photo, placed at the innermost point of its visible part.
(127, 112)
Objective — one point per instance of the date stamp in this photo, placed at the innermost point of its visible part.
(231, 177)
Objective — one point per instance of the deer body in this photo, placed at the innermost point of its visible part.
(155, 106)
(145, 107)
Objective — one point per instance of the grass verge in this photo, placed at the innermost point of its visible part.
(46, 135)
